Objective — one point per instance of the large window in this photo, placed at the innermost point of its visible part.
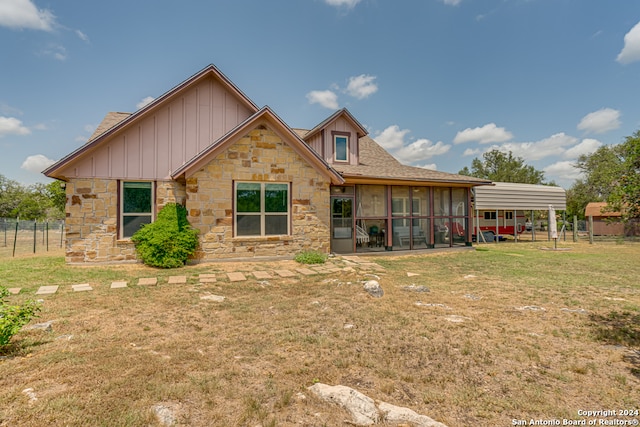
(136, 206)
(341, 148)
(262, 209)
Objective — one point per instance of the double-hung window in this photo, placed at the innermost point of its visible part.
(136, 201)
(341, 148)
(262, 209)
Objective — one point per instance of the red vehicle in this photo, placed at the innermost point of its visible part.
(494, 223)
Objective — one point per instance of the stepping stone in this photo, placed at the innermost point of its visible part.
(118, 285)
(82, 287)
(214, 298)
(306, 271)
(236, 277)
(174, 280)
(285, 273)
(148, 281)
(261, 275)
(14, 291)
(207, 278)
(47, 290)
(412, 274)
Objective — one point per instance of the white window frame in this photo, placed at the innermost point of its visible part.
(262, 214)
(335, 146)
(490, 215)
(124, 214)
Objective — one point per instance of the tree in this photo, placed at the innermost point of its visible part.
(502, 167)
(35, 202)
(625, 196)
(11, 193)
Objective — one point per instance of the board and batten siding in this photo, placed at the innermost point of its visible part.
(166, 137)
(339, 125)
(513, 196)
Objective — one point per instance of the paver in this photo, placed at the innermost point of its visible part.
(285, 273)
(47, 290)
(261, 275)
(175, 280)
(118, 285)
(306, 271)
(14, 291)
(81, 287)
(236, 277)
(148, 281)
(207, 278)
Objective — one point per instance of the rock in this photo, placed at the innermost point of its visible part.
(30, 394)
(531, 308)
(454, 318)
(373, 288)
(412, 274)
(164, 414)
(576, 310)
(46, 326)
(416, 288)
(472, 297)
(362, 408)
(396, 414)
(214, 298)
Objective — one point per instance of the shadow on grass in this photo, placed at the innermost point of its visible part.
(22, 347)
(620, 329)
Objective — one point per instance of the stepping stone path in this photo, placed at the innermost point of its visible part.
(262, 275)
(345, 264)
(47, 290)
(118, 285)
(148, 281)
(236, 277)
(207, 278)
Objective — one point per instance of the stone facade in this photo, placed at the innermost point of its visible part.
(92, 219)
(259, 156)
(92, 205)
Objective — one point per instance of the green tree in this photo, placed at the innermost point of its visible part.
(625, 196)
(503, 167)
(11, 193)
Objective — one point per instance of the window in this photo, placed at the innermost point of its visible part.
(262, 209)
(136, 200)
(508, 215)
(341, 148)
(489, 215)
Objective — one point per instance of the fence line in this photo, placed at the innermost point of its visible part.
(24, 237)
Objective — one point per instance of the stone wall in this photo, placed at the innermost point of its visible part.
(259, 156)
(92, 219)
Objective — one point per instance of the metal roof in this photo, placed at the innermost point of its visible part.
(514, 196)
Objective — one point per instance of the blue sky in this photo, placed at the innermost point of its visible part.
(436, 82)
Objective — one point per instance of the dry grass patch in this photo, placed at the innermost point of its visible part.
(489, 343)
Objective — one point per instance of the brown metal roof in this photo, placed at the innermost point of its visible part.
(599, 209)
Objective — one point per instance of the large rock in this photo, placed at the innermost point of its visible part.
(362, 408)
(373, 288)
(395, 414)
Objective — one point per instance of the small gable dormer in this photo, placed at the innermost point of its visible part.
(336, 138)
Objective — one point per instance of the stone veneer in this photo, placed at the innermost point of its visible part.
(92, 205)
(92, 218)
(259, 156)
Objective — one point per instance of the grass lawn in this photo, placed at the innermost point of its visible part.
(507, 332)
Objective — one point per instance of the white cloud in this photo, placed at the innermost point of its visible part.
(631, 50)
(484, 135)
(587, 146)
(23, 14)
(430, 166)
(564, 170)
(452, 2)
(361, 86)
(326, 98)
(350, 4)
(552, 146)
(392, 139)
(471, 152)
(55, 51)
(600, 121)
(145, 101)
(36, 163)
(82, 36)
(12, 126)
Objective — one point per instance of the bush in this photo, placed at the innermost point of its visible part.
(168, 241)
(310, 257)
(14, 317)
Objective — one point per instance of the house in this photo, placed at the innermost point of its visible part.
(251, 184)
(609, 223)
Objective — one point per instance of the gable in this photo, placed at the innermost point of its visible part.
(340, 124)
(162, 136)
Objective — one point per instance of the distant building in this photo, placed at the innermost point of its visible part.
(609, 223)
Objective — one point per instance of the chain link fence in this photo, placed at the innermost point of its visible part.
(19, 237)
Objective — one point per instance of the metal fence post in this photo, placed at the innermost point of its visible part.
(575, 228)
(590, 229)
(15, 238)
(35, 229)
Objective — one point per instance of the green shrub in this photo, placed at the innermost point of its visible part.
(14, 317)
(168, 241)
(311, 257)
